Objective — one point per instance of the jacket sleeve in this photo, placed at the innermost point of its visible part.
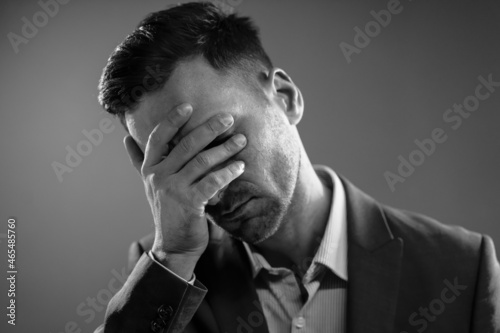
(486, 312)
(152, 300)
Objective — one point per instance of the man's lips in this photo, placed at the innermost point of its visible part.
(234, 208)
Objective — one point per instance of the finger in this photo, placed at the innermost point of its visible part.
(215, 181)
(158, 140)
(134, 152)
(208, 159)
(191, 144)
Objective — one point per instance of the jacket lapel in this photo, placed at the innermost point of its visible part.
(231, 292)
(374, 264)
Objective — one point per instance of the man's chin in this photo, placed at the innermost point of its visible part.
(254, 222)
(251, 230)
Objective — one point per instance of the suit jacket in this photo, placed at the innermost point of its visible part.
(407, 273)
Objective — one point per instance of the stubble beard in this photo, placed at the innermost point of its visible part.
(274, 211)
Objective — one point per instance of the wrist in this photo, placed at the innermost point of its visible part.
(179, 263)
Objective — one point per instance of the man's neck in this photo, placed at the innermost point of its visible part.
(296, 242)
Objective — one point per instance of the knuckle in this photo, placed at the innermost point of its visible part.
(214, 180)
(186, 144)
(161, 184)
(203, 160)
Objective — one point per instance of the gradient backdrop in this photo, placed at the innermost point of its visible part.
(73, 235)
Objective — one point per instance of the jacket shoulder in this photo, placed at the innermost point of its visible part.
(428, 235)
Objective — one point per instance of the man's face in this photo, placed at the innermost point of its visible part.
(271, 155)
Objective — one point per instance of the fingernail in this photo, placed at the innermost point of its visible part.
(240, 139)
(185, 109)
(240, 165)
(226, 120)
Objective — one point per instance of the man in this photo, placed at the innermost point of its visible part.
(249, 235)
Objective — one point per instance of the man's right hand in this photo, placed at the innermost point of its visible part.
(179, 186)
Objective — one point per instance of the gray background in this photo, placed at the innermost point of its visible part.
(359, 117)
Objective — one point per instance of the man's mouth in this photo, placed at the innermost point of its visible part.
(236, 209)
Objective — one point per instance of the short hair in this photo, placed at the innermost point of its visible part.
(144, 61)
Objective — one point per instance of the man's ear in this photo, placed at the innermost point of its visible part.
(286, 94)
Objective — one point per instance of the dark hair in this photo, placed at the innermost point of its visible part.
(144, 61)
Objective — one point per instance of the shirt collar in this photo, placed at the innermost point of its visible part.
(332, 251)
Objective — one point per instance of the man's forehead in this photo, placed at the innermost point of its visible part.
(149, 115)
(194, 82)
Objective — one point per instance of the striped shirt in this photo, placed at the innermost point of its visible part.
(317, 302)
